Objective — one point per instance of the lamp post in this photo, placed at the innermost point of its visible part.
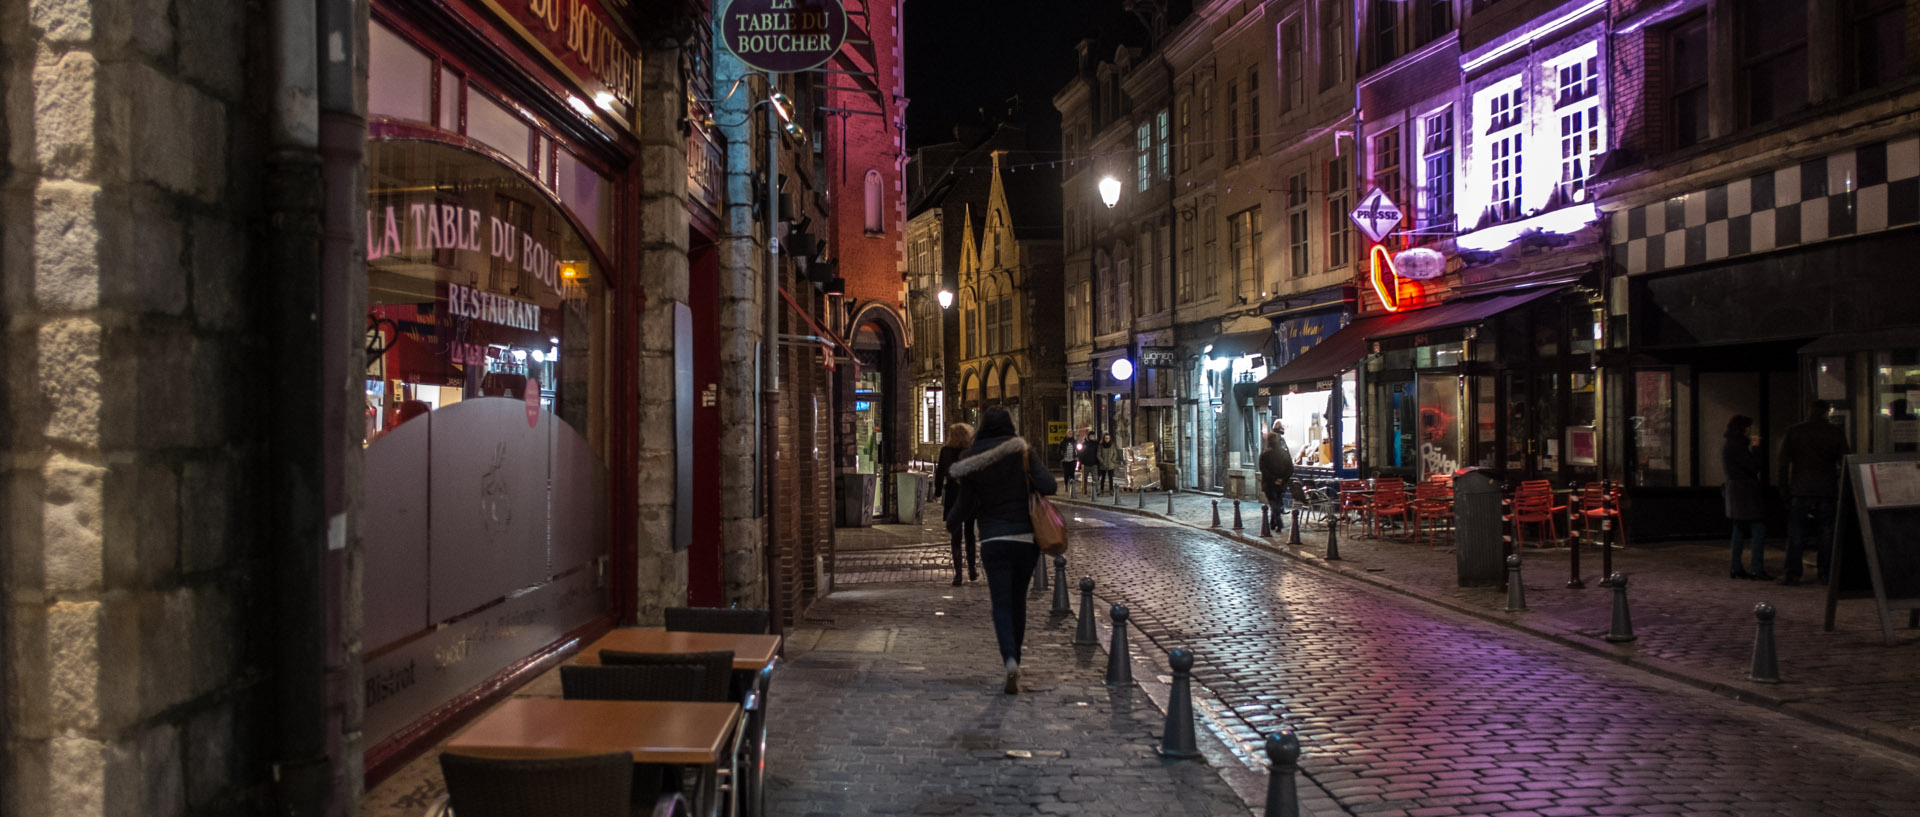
(945, 298)
(1110, 191)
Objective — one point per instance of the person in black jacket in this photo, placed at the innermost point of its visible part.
(1090, 464)
(993, 492)
(1276, 469)
(1746, 504)
(959, 437)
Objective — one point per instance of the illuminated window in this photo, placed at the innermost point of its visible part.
(1161, 125)
(1577, 106)
(1143, 144)
(1297, 223)
(1339, 201)
(1436, 159)
(1506, 140)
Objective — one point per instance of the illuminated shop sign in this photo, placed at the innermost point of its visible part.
(481, 305)
(784, 35)
(585, 41)
(1419, 264)
(426, 227)
(1376, 216)
(1386, 282)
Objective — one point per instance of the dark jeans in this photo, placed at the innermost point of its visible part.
(1106, 479)
(1804, 512)
(1009, 566)
(1756, 531)
(1276, 500)
(1066, 468)
(970, 531)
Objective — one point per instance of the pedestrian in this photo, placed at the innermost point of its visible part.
(1110, 458)
(1070, 455)
(1276, 471)
(993, 479)
(1810, 456)
(1745, 499)
(1090, 463)
(959, 437)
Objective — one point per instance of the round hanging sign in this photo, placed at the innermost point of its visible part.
(782, 36)
(1420, 264)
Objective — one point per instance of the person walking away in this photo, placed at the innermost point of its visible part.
(1745, 499)
(1070, 455)
(959, 437)
(1276, 470)
(1810, 456)
(993, 478)
(1110, 459)
(1090, 464)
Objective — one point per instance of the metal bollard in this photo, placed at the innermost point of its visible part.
(1573, 564)
(1116, 496)
(1070, 482)
(1236, 514)
(1622, 630)
(1119, 662)
(1606, 538)
(1216, 513)
(1283, 792)
(1169, 502)
(1176, 740)
(1516, 593)
(1293, 538)
(1084, 635)
(1265, 531)
(1040, 570)
(1333, 539)
(1766, 669)
(1062, 605)
(1142, 497)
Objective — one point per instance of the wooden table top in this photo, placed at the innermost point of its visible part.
(652, 731)
(750, 652)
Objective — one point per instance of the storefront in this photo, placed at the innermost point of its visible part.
(1230, 365)
(1319, 416)
(495, 276)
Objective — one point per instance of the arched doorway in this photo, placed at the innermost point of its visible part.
(876, 453)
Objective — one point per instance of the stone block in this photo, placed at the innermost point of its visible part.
(66, 246)
(216, 252)
(143, 242)
(26, 769)
(140, 533)
(211, 500)
(175, 133)
(72, 521)
(664, 271)
(656, 327)
(655, 470)
(64, 138)
(165, 389)
(63, 22)
(150, 767)
(69, 378)
(74, 673)
(77, 775)
(16, 248)
(211, 49)
(210, 746)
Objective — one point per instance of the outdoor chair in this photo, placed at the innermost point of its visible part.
(608, 785)
(1594, 505)
(1533, 505)
(718, 620)
(716, 678)
(647, 682)
(1355, 502)
(1389, 502)
(1432, 502)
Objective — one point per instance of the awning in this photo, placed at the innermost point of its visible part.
(1864, 341)
(1324, 361)
(1343, 349)
(1240, 344)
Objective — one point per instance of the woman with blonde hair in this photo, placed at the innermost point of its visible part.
(959, 438)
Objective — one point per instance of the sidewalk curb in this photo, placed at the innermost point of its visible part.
(1566, 633)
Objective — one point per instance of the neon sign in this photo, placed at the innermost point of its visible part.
(1389, 292)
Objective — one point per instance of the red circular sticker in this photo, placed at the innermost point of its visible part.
(533, 402)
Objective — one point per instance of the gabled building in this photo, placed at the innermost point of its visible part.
(1011, 354)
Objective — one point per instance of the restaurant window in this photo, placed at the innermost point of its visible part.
(1436, 160)
(1879, 34)
(1293, 94)
(1773, 58)
(1297, 228)
(1339, 201)
(1652, 429)
(406, 89)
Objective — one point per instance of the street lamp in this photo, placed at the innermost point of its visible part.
(945, 298)
(1110, 191)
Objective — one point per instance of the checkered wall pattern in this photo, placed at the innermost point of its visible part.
(1865, 190)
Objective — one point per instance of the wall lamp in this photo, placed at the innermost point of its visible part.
(945, 298)
(1110, 191)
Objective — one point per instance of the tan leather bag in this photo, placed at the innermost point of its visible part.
(1049, 530)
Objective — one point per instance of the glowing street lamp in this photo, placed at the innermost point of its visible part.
(1110, 191)
(945, 298)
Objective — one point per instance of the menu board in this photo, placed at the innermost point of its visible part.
(1876, 538)
(1890, 484)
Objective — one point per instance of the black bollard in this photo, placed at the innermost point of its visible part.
(1622, 630)
(1142, 497)
(1283, 791)
(1573, 564)
(1236, 514)
(1265, 531)
(1333, 539)
(1116, 496)
(1606, 546)
(1062, 605)
(1216, 513)
(1169, 502)
(1119, 662)
(1516, 593)
(1766, 669)
(1084, 635)
(1293, 538)
(1176, 740)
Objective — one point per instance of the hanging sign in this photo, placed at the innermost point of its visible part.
(783, 36)
(1419, 264)
(1376, 216)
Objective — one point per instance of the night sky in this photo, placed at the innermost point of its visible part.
(966, 55)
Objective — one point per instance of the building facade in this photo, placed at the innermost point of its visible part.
(1009, 275)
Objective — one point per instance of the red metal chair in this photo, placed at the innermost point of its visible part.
(1533, 504)
(1595, 504)
(1389, 501)
(1356, 503)
(1432, 501)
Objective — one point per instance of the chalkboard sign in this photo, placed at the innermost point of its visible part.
(1876, 537)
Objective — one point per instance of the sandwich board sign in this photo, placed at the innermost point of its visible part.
(1876, 538)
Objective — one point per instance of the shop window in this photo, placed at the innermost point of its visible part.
(452, 92)
(1896, 409)
(1651, 426)
(491, 124)
(403, 86)
(1773, 64)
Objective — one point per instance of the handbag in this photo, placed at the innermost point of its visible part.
(1049, 530)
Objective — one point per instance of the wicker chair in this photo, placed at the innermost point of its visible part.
(717, 666)
(608, 785)
(718, 620)
(651, 682)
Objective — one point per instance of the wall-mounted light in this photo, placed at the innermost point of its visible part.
(1122, 369)
(1110, 191)
(945, 298)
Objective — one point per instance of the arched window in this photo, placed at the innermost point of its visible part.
(996, 241)
(874, 202)
(993, 385)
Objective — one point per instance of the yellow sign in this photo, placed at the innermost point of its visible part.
(1056, 432)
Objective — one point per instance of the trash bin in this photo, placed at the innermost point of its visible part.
(1476, 515)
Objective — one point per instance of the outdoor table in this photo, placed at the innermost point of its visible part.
(665, 733)
(754, 657)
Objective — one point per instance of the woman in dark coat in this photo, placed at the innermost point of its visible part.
(992, 480)
(959, 437)
(1276, 468)
(1746, 500)
(1110, 460)
(1090, 464)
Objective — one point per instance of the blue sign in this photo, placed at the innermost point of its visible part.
(1083, 385)
(862, 405)
(1297, 335)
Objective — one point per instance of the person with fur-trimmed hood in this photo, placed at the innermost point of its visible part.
(993, 492)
